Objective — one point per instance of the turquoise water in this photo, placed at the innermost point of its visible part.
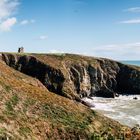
(137, 63)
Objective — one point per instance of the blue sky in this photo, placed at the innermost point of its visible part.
(103, 28)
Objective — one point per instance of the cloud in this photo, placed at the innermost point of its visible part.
(43, 37)
(133, 10)
(131, 21)
(25, 22)
(56, 51)
(128, 51)
(7, 24)
(7, 9)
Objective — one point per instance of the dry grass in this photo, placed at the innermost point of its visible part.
(29, 111)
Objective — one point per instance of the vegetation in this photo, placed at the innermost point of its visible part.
(29, 111)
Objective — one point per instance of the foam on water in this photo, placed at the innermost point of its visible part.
(124, 109)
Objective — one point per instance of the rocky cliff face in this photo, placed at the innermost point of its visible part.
(28, 111)
(52, 78)
(76, 76)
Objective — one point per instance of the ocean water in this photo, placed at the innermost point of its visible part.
(124, 109)
(136, 62)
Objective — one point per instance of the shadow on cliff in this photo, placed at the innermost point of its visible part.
(89, 77)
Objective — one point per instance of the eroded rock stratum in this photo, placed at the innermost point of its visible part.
(28, 110)
(75, 76)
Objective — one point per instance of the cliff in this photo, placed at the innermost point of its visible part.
(75, 76)
(29, 110)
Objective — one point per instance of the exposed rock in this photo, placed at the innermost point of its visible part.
(128, 79)
(29, 111)
(135, 98)
(87, 104)
(76, 76)
(52, 78)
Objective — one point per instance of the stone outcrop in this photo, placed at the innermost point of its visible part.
(77, 76)
(52, 78)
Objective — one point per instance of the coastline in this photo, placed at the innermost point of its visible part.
(124, 108)
(131, 62)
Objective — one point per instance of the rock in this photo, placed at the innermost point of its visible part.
(52, 78)
(90, 98)
(117, 95)
(77, 76)
(135, 98)
(87, 104)
(136, 130)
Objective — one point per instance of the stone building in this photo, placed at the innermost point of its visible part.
(21, 50)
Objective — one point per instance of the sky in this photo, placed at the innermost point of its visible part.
(101, 28)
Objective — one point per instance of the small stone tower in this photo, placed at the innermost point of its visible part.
(21, 50)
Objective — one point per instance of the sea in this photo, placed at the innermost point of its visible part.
(124, 109)
(136, 62)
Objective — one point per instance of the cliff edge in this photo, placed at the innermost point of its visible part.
(76, 76)
(31, 106)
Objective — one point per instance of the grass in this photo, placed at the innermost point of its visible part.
(31, 110)
(11, 103)
(9, 106)
(68, 119)
(14, 100)
(7, 88)
(3, 135)
(27, 103)
(24, 130)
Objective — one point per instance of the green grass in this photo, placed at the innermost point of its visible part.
(24, 131)
(14, 100)
(68, 119)
(7, 88)
(9, 106)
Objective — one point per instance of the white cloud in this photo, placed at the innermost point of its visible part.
(128, 51)
(131, 21)
(25, 22)
(56, 51)
(7, 9)
(43, 37)
(133, 10)
(7, 24)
